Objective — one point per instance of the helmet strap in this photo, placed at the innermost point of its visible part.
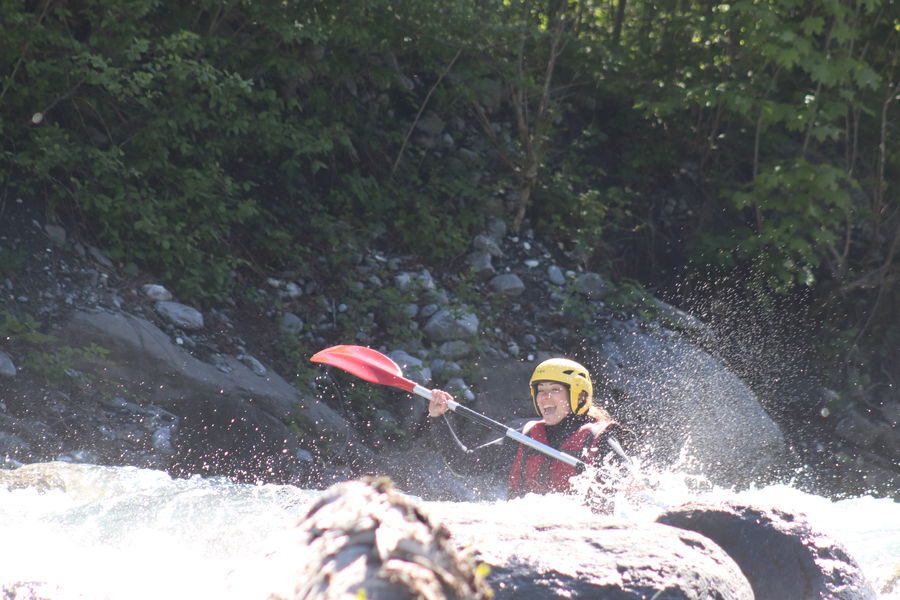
(582, 402)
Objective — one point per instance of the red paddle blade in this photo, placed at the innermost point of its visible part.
(365, 363)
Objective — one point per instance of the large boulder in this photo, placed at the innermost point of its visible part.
(363, 539)
(683, 402)
(233, 421)
(780, 553)
(607, 560)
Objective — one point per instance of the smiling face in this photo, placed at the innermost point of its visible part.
(553, 401)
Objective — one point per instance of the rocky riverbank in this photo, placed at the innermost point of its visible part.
(100, 363)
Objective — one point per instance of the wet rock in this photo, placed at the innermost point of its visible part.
(502, 385)
(363, 539)
(444, 369)
(231, 423)
(460, 389)
(855, 427)
(7, 366)
(592, 285)
(601, 559)
(680, 400)
(678, 319)
(180, 315)
(780, 553)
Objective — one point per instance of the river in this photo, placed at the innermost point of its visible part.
(126, 533)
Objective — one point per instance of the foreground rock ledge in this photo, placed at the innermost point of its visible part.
(781, 554)
(364, 539)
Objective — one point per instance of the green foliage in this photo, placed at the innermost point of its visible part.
(802, 209)
(45, 355)
(207, 142)
(629, 298)
(11, 262)
(182, 138)
(22, 328)
(62, 363)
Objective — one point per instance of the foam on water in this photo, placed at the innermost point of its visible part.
(115, 533)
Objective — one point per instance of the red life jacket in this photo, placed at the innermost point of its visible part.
(534, 472)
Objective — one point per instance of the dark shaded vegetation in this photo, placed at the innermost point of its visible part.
(217, 143)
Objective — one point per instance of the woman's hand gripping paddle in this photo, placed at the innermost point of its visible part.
(375, 367)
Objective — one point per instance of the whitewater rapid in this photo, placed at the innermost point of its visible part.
(126, 533)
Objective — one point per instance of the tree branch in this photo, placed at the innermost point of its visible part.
(412, 127)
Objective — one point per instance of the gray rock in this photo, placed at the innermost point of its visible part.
(508, 284)
(100, 257)
(363, 535)
(293, 290)
(870, 433)
(437, 296)
(555, 275)
(678, 319)
(412, 367)
(430, 124)
(854, 427)
(447, 325)
(403, 281)
(445, 369)
(156, 292)
(254, 364)
(481, 265)
(180, 315)
(56, 234)
(489, 93)
(598, 558)
(460, 389)
(291, 325)
(496, 228)
(682, 401)
(425, 281)
(591, 285)
(428, 310)
(7, 366)
(487, 244)
(780, 553)
(221, 431)
(454, 349)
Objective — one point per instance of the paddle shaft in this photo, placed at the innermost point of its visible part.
(507, 431)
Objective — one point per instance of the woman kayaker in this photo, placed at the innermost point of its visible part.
(562, 393)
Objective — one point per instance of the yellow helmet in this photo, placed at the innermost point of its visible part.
(572, 375)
